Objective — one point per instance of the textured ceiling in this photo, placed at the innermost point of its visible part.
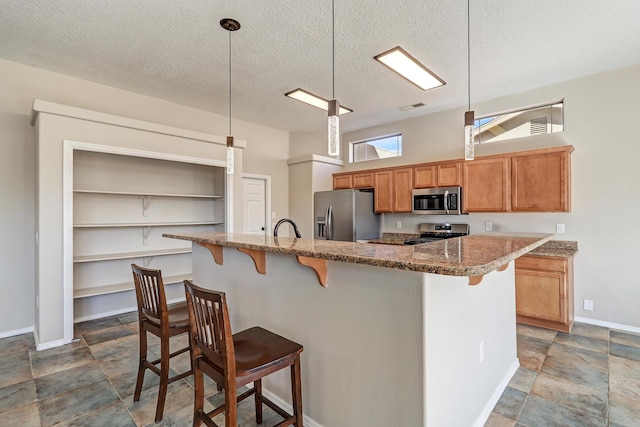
(176, 50)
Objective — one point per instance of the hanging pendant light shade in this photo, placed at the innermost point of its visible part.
(469, 115)
(333, 131)
(230, 25)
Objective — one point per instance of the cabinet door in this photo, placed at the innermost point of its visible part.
(425, 176)
(403, 184)
(342, 181)
(383, 199)
(541, 182)
(449, 174)
(486, 185)
(544, 291)
(542, 295)
(363, 180)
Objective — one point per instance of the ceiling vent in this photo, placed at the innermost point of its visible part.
(413, 106)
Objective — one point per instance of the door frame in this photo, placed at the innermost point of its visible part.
(267, 199)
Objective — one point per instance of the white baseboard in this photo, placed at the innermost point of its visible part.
(119, 311)
(609, 325)
(15, 332)
(497, 393)
(308, 422)
(45, 345)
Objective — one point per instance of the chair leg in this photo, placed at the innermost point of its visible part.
(231, 405)
(141, 367)
(164, 376)
(257, 385)
(296, 391)
(198, 400)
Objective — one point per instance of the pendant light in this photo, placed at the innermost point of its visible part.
(230, 25)
(469, 115)
(334, 105)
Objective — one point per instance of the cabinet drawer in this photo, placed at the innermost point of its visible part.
(542, 263)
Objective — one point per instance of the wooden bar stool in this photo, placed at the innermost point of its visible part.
(233, 361)
(164, 321)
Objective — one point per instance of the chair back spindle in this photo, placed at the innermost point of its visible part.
(211, 328)
(150, 292)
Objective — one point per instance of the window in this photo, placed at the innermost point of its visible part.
(380, 147)
(537, 119)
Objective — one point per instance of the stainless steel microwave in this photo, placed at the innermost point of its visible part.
(437, 201)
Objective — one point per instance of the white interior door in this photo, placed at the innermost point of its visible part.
(254, 205)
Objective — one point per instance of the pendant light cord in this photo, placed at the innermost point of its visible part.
(468, 55)
(333, 47)
(230, 83)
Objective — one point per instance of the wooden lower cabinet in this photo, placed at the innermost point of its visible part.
(544, 291)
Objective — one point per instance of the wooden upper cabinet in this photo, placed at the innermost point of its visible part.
(449, 174)
(446, 174)
(403, 185)
(541, 181)
(393, 190)
(486, 185)
(426, 176)
(383, 196)
(342, 181)
(362, 180)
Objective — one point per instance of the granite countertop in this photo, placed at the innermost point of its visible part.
(554, 248)
(473, 255)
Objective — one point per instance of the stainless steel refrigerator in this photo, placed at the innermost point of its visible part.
(345, 215)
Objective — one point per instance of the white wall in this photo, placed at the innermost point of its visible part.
(601, 114)
(266, 154)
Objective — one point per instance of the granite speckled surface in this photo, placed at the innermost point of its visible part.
(556, 248)
(473, 255)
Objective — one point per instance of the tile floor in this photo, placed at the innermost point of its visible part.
(588, 378)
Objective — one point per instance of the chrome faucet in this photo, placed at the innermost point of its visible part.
(295, 227)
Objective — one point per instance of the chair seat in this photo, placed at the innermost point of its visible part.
(178, 316)
(256, 348)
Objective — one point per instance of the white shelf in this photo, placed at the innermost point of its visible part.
(132, 193)
(128, 255)
(123, 287)
(146, 224)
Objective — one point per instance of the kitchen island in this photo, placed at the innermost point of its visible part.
(418, 335)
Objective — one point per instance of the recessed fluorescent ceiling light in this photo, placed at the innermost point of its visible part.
(410, 68)
(316, 101)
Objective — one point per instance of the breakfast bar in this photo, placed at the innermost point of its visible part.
(419, 335)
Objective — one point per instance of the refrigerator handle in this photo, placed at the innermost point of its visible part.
(329, 222)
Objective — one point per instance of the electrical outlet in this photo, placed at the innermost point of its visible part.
(481, 353)
(273, 215)
(398, 224)
(560, 228)
(488, 226)
(588, 305)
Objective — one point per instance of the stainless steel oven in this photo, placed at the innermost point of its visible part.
(438, 201)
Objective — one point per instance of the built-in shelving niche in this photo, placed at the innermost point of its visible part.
(121, 207)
